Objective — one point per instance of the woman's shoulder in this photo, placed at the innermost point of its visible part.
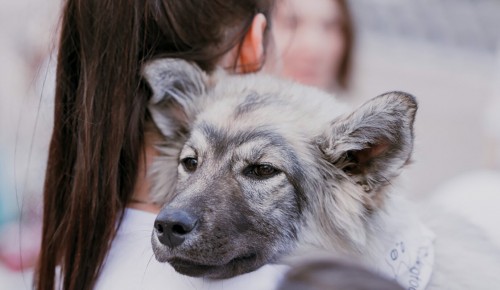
(130, 261)
(131, 264)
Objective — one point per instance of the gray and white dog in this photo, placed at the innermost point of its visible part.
(257, 170)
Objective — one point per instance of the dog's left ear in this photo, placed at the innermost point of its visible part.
(373, 143)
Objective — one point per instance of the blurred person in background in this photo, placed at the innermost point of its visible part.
(314, 41)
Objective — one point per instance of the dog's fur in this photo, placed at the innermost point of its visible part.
(327, 184)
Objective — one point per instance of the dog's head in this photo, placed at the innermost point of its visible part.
(261, 161)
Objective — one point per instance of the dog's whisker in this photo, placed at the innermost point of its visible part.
(146, 269)
(189, 281)
(149, 261)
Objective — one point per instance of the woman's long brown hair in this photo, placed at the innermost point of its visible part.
(100, 113)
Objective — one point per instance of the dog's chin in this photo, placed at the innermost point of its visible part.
(237, 266)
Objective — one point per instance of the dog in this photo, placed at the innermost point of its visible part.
(254, 170)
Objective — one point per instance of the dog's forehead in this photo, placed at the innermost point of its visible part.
(246, 108)
(240, 109)
(261, 100)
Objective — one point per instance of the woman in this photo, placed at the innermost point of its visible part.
(99, 150)
(314, 40)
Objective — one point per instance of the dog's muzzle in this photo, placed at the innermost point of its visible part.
(193, 248)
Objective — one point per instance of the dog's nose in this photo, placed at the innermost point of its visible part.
(173, 225)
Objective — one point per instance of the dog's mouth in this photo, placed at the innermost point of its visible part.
(236, 266)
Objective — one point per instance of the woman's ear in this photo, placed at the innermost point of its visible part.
(251, 54)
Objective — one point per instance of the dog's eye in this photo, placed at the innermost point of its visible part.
(261, 171)
(190, 163)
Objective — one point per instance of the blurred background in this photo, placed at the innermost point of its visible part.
(445, 52)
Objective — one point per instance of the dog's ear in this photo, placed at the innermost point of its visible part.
(373, 143)
(175, 84)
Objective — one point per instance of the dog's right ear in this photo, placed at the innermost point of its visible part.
(373, 143)
(175, 84)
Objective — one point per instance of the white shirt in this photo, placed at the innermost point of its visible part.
(131, 264)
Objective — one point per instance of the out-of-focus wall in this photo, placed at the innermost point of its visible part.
(27, 33)
(447, 54)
